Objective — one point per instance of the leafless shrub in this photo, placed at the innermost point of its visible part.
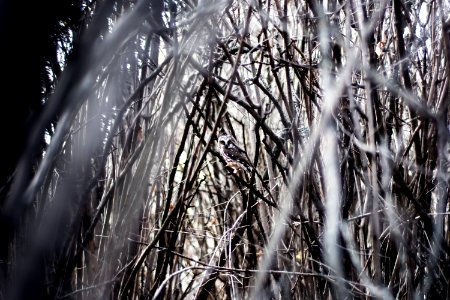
(342, 109)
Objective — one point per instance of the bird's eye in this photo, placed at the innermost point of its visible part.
(222, 142)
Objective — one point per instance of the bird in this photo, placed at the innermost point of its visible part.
(235, 157)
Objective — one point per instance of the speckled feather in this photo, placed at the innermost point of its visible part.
(235, 156)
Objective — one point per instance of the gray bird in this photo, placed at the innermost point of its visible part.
(234, 155)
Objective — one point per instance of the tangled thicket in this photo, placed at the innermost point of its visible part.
(341, 107)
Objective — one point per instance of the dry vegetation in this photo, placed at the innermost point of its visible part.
(342, 109)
